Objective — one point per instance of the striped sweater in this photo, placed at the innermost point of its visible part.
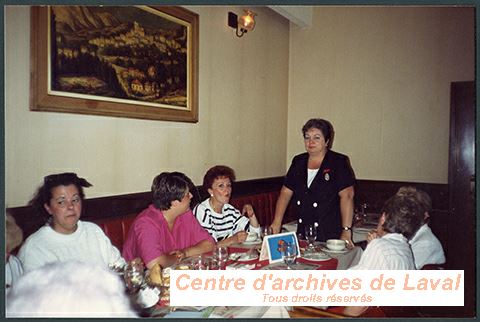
(223, 225)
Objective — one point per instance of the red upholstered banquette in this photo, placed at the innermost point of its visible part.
(263, 204)
(116, 228)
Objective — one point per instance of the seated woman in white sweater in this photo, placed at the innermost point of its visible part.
(223, 221)
(388, 249)
(65, 237)
(426, 247)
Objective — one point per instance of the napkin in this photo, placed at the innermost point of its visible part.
(290, 226)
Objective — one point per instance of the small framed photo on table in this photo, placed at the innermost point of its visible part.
(272, 246)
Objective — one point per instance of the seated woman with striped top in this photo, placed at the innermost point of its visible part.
(223, 221)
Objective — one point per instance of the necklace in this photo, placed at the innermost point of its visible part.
(218, 211)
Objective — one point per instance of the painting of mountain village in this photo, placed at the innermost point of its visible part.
(119, 52)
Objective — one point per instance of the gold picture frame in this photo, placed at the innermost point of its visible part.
(130, 61)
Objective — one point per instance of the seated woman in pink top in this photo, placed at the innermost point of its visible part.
(167, 231)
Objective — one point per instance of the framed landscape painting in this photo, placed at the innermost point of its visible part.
(126, 61)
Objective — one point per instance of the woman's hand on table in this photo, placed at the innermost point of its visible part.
(237, 238)
(179, 255)
(347, 237)
(276, 227)
(240, 237)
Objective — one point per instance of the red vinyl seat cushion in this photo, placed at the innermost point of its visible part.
(116, 228)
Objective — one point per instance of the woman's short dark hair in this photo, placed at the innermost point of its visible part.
(403, 214)
(324, 126)
(170, 186)
(44, 193)
(217, 172)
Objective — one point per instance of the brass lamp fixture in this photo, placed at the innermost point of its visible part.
(243, 24)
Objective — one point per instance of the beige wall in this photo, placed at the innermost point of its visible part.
(243, 86)
(382, 76)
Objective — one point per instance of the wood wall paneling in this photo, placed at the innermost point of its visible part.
(372, 192)
(461, 238)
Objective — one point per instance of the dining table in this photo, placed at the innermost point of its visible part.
(245, 256)
(332, 260)
(363, 225)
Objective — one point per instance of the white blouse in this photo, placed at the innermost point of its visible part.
(311, 175)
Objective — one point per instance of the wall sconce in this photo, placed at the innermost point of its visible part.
(243, 24)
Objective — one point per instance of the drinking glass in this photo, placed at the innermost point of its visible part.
(134, 276)
(199, 263)
(357, 217)
(289, 253)
(221, 256)
(360, 214)
(265, 231)
(203, 263)
(310, 235)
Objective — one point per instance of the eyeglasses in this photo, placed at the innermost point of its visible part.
(315, 138)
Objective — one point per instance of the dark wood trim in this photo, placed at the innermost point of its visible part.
(462, 238)
(376, 192)
(251, 187)
(373, 192)
(121, 205)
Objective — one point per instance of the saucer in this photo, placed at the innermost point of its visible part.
(243, 257)
(252, 242)
(316, 257)
(327, 250)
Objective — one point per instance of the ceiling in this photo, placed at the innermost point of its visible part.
(299, 15)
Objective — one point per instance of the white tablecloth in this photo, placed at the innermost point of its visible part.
(348, 259)
(360, 234)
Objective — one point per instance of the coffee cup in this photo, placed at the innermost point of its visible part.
(251, 237)
(336, 244)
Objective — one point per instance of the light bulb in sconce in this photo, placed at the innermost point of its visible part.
(243, 24)
(247, 21)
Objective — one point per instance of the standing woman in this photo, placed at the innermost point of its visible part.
(222, 220)
(321, 184)
(65, 237)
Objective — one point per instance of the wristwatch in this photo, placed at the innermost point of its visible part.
(346, 228)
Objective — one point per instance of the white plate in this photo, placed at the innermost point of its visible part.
(244, 257)
(325, 249)
(316, 256)
(253, 242)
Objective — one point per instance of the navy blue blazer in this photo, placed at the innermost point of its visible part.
(320, 202)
